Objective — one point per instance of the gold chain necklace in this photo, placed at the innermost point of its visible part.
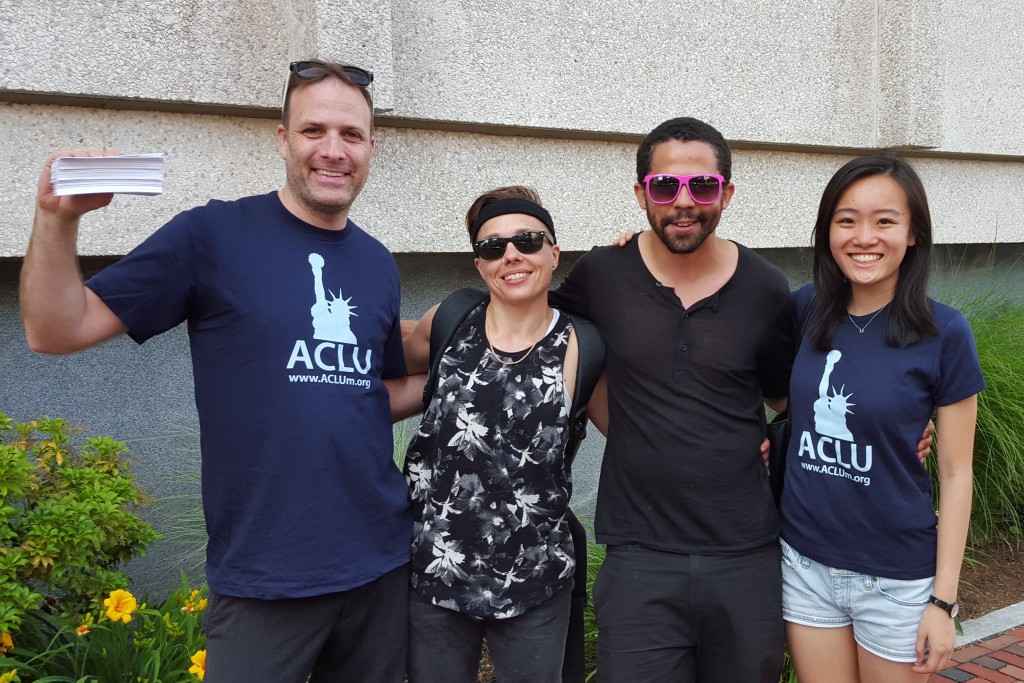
(519, 360)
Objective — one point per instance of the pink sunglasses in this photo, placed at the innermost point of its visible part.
(664, 188)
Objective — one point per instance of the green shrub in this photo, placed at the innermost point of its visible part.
(998, 507)
(116, 640)
(67, 519)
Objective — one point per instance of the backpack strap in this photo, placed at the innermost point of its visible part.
(589, 366)
(454, 309)
(447, 318)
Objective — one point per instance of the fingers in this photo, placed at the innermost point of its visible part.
(919, 650)
(937, 660)
(765, 446)
(934, 647)
(71, 206)
(622, 239)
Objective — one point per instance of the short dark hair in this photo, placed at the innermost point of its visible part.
(684, 129)
(508, 192)
(331, 70)
(910, 316)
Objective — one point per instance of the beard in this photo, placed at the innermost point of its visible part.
(685, 244)
(323, 203)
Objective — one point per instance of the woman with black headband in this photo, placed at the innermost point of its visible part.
(489, 468)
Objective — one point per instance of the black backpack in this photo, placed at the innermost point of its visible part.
(454, 309)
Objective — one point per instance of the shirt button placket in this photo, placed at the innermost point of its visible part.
(683, 347)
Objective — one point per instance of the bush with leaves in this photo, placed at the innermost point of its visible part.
(997, 512)
(67, 519)
(118, 639)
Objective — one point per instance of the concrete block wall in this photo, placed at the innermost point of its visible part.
(475, 94)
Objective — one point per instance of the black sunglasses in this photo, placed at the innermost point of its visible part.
(493, 248)
(312, 69)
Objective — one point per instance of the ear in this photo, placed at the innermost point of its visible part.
(641, 196)
(282, 141)
(727, 193)
(555, 253)
(912, 238)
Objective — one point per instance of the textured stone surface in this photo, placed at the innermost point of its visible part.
(909, 73)
(983, 77)
(850, 73)
(786, 71)
(204, 51)
(423, 181)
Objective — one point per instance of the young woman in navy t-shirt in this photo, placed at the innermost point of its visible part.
(870, 572)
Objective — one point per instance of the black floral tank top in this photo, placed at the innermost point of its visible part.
(488, 479)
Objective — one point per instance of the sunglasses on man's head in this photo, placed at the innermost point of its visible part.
(664, 188)
(311, 69)
(493, 248)
(314, 70)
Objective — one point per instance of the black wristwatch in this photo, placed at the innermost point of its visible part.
(952, 609)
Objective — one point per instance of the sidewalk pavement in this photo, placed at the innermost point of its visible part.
(999, 659)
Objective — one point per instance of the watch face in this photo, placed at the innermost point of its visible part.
(954, 610)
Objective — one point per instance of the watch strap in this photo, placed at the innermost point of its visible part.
(950, 608)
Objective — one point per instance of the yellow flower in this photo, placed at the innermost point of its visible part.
(120, 605)
(85, 628)
(194, 603)
(6, 642)
(10, 677)
(198, 668)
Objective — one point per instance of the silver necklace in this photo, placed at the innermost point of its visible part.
(854, 323)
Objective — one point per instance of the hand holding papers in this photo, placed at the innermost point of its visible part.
(123, 173)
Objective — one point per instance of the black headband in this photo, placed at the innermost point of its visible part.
(500, 207)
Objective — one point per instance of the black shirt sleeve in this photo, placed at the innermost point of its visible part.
(775, 356)
(573, 294)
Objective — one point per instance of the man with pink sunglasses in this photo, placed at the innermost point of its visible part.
(699, 333)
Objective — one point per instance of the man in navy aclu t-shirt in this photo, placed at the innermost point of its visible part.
(292, 314)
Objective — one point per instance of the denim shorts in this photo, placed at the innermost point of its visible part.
(884, 613)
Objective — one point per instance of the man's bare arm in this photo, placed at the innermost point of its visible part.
(597, 407)
(60, 314)
(405, 396)
(416, 341)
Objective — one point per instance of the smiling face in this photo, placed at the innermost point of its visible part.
(517, 277)
(870, 233)
(683, 225)
(326, 147)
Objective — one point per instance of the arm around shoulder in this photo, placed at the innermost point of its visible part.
(416, 343)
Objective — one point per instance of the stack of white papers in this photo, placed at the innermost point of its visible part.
(125, 173)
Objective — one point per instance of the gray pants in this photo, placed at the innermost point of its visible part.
(445, 646)
(359, 635)
(671, 618)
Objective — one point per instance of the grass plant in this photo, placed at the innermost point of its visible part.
(998, 508)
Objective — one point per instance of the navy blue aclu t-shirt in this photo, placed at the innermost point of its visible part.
(292, 329)
(856, 496)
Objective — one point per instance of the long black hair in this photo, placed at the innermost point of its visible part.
(910, 316)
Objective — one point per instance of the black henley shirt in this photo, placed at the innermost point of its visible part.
(682, 470)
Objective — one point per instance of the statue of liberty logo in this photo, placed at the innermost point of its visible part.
(830, 410)
(331, 317)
